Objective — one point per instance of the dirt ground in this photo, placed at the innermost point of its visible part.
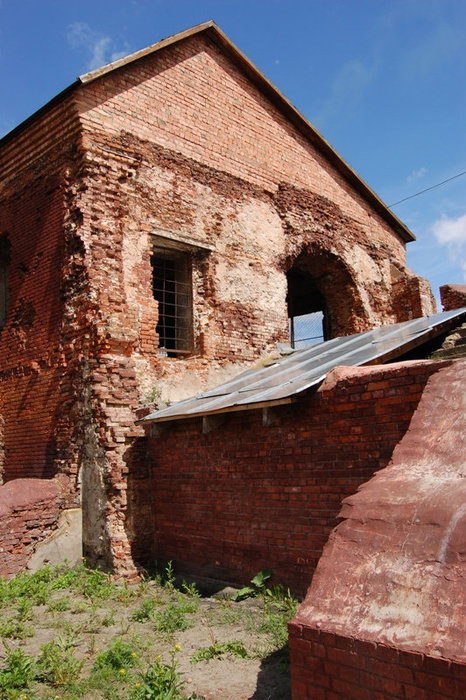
(90, 627)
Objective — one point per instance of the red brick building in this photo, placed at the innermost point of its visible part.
(164, 223)
(160, 221)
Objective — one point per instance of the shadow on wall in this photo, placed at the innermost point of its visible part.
(139, 523)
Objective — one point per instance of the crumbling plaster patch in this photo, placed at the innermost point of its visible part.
(64, 544)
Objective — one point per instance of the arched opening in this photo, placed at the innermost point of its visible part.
(323, 298)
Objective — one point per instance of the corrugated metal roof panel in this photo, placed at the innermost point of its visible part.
(303, 369)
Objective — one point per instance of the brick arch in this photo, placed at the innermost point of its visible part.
(332, 285)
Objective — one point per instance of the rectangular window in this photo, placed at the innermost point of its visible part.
(171, 285)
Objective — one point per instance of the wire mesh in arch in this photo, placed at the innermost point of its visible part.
(306, 330)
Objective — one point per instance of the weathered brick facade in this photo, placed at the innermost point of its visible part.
(29, 513)
(453, 296)
(189, 148)
(246, 496)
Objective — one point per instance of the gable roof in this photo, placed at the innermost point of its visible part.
(285, 378)
(215, 34)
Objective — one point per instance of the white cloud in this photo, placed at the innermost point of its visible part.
(435, 48)
(450, 231)
(416, 175)
(347, 89)
(452, 234)
(99, 46)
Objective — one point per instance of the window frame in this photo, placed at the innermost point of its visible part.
(175, 322)
(178, 248)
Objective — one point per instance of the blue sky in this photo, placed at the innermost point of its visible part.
(383, 80)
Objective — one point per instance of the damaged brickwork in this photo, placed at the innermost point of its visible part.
(29, 513)
(187, 149)
(453, 296)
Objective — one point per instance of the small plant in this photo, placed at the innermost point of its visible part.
(190, 589)
(15, 629)
(124, 594)
(169, 576)
(118, 656)
(145, 611)
(219, 649)
(275, 624)
(18, 672)
(282, 599)
(161, 681)
(109, 618)
(258, 586)
(171, 619)
(152, 395)
(57, 664)
(191, 605)
(59, 605)
(24, 610)
(96, 585)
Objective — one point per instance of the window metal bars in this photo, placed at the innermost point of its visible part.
(172, 290)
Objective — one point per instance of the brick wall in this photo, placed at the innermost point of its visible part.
(29, 512)
(182, 145)
(31, 216)
(245, 496)
(225, 123)
(192, 98)
(453, 296)
(327, 666)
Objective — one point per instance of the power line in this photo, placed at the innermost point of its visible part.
(428, 189)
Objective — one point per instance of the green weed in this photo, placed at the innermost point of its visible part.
(275, 625)
(219, 649)
(24, 610)
(171, 619)
(161, 681)
(190, 605)
(258, 586)
(15, 629)
(59, 605)
(108, 619)
(57, 664)
(168, 576)
(95, 585)
(282, 599)
(145, 611)
(18, 673)
(119, 655)
(190, 589)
